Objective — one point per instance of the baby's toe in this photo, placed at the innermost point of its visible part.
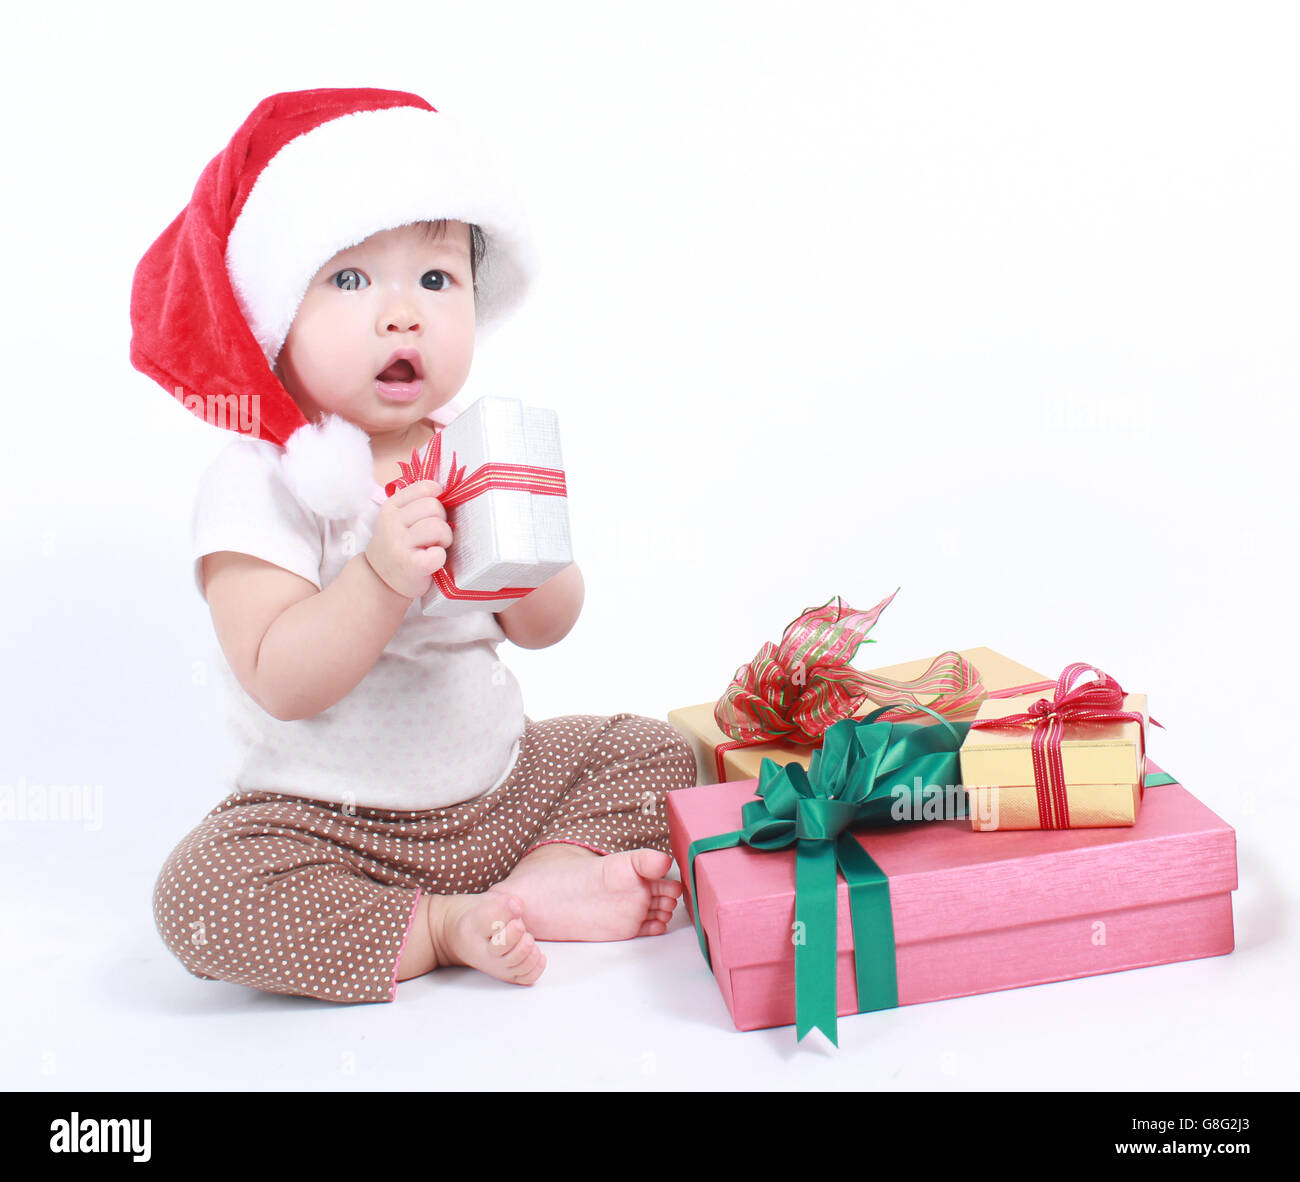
(506, 935)
(524, 947)
(653, 864)
(531, 969)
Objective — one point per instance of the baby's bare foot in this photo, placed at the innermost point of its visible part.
(609, 897)
(487, 932)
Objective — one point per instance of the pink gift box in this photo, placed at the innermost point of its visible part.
(973, 912)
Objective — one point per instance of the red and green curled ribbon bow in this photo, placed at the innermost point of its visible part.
(797, 689)
(868, 772)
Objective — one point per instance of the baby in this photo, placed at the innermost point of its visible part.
(394, 810)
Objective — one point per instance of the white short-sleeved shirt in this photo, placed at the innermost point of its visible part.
(438, 719)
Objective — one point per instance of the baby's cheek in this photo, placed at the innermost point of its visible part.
(322, 353)
(460, 349)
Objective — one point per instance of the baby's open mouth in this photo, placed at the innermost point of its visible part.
(399, 371)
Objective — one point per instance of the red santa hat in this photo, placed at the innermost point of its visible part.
(308, 174)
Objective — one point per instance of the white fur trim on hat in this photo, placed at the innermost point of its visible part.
(354, 176)
(330, 467)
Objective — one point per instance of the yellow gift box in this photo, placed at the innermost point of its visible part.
(1104, 765)
(696, 723)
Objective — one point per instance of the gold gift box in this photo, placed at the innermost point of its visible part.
(697, 726)
(1104, 764)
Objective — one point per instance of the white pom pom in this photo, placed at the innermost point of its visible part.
(330, 467)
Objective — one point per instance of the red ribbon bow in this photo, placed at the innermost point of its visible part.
(459, 488)
(1094, 701)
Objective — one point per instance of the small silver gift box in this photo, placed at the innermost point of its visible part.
(502, 538)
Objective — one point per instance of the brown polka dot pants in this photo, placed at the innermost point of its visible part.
(315, 898)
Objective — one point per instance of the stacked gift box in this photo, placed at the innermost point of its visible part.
(1055, 847)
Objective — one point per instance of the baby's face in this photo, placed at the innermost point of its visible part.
(398, 291)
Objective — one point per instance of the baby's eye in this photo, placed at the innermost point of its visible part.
(435, 280)
(350, 280)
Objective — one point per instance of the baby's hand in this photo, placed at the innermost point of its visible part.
(411, 537)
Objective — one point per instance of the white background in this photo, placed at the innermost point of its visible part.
(993, 302)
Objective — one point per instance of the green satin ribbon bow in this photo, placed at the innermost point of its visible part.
(866, 773)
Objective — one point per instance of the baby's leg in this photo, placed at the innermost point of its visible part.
(283, 894)
(595, 869)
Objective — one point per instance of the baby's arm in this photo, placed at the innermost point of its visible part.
(297, 650)
(545, 616)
